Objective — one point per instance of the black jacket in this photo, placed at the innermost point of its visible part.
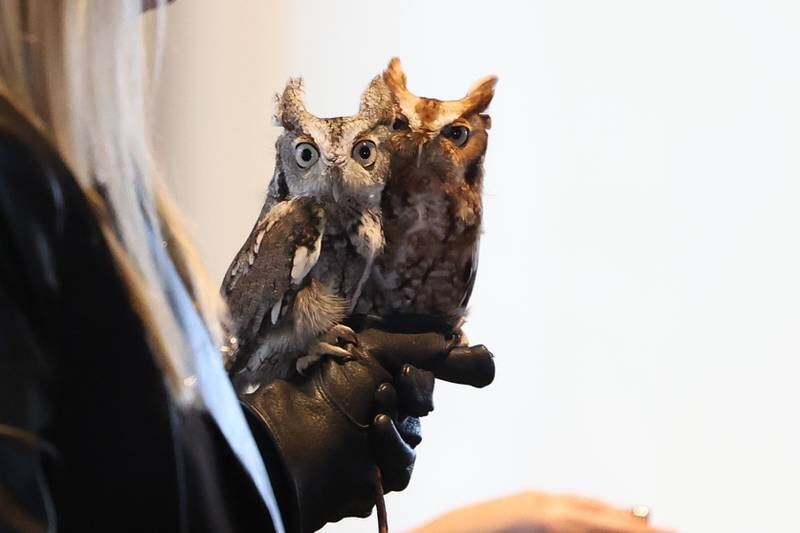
(110, 448)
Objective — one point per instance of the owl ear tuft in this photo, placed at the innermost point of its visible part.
(290, 109)
(376, 102)
(395, 78)
(480, 95)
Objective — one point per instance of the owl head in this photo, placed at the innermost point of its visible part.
(342, 160)
(446, 138)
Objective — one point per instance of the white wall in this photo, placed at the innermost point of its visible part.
(640, 275)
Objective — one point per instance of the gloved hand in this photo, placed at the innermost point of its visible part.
(325, 434)
(406, 343)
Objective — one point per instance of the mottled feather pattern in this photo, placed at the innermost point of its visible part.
(254, 288)
(431, 205)
(394, 226)
(340, 164)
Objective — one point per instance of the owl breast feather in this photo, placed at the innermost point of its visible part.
(429, 261)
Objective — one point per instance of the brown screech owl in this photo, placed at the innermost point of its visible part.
(431, 204)
(301, 269)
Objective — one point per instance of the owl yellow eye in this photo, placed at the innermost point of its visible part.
(458, 134)
(305, 154)
(365, 152)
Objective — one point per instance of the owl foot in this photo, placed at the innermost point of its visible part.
(340, 335)
(318, 351)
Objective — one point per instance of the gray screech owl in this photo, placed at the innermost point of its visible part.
(431, 205)
(303, 265)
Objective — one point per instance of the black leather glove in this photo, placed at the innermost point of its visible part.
(407, 343)
(327, 433)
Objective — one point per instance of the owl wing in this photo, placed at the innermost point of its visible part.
(470, 273)
(271, 267)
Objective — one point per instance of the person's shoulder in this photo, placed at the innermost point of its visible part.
(32, 175)
(39, 200)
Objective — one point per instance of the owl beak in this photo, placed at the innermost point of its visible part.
(336, 182)
(424, 139)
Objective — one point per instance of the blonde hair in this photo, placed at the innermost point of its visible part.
(79, 71)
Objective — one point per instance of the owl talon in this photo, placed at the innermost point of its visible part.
(340, 335)
(322, 349)
(305, 362)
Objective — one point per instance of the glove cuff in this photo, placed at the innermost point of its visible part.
(284, 486)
